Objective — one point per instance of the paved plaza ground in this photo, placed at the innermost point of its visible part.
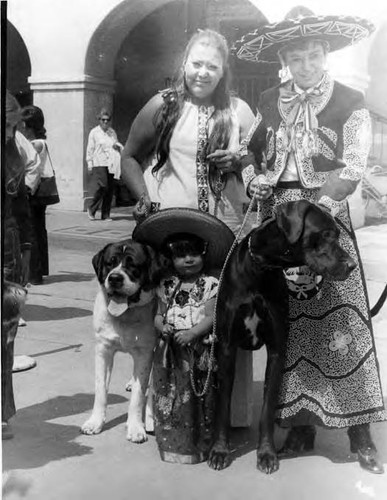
(49, 459)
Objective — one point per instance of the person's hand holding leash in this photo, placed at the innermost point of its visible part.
(226, 161)
(167, 331)
(142, 208)
(184, 337)
(259, 187)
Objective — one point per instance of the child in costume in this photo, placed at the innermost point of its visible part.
(184, 368)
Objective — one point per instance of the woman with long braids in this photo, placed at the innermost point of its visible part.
(183, 150)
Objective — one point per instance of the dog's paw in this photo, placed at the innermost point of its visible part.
(136, 433)
(267, 461)
(219, 457)
(93, 425)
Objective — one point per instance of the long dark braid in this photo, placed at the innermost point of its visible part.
(174, 98)
(165, 121)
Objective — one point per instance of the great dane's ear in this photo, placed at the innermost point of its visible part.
(158, 266)
(97, 262)
(291, 218)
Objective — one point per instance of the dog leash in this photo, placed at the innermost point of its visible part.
(213, 336)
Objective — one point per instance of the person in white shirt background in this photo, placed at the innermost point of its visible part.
(103, 162)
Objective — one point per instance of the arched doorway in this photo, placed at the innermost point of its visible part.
(18, 66)
(147, 60)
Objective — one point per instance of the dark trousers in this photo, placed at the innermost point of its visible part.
(39, 249)
(103, 184)
(8, 409)
(12, 272)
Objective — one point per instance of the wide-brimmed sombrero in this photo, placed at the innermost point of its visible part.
(157, 227)
(263, 44)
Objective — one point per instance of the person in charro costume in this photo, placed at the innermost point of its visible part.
(184, 368)
(312, 139)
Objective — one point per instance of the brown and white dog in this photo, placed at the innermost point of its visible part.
(123, 320)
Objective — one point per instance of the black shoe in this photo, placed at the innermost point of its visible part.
(299, 439)
(369, 460)
(90, 214)
(362, 444)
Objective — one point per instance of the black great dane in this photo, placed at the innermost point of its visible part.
(252, 309)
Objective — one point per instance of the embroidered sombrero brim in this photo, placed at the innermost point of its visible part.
(158, 226)
(263, 44)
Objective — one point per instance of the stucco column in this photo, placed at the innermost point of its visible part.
(70, 107)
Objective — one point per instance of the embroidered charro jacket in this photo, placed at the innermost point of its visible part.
(342, 140)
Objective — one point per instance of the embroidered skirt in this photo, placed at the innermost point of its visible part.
(183, 422)
(331, 376)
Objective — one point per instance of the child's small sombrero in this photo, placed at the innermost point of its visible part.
(156, 228)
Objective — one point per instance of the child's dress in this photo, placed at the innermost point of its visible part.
(183, 421)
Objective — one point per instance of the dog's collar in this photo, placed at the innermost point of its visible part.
(143, 298)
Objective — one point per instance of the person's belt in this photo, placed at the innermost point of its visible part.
(290, 185)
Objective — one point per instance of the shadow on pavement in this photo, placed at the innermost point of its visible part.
(38, 442)
(122, 217)
(33, 312)
(332, 444)
(68, 276)
(115, 421)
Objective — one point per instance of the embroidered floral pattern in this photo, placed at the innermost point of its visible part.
(331, 134)
(356, 139)
(325, 150)
(334, 206)
(341, 342)
(270, 145)
(316, 377)
(186, 308)
(201, 161)
(246, 141)
(248, 174)
(309, 177)
(281, 156)
(357, 142)
(183, 421)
